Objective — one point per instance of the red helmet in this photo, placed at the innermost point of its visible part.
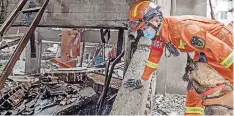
(142, 12)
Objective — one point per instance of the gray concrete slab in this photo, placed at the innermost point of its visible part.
(49, 34)
(130, 102)
(80, 12)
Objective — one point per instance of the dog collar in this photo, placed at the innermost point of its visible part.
(212, 90)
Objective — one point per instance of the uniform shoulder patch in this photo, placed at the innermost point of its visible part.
(198, 42)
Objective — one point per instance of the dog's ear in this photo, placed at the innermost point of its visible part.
(202, 58)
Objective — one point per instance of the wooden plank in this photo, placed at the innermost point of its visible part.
(36, 9)
(13, 36)
(23, 79)
(100, 79)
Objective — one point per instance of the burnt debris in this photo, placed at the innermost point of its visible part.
(54, 95)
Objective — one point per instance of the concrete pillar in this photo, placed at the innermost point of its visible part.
(173, 7)
(33, 65)
(128, 101)
(127, 53)
(161, 72)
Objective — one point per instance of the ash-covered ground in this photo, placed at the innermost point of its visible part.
(170, 104)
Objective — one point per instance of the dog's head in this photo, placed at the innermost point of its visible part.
(202, 76)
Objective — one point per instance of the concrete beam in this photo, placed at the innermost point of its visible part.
(130, 102)
(94, 36)
(49, 34)
(110, 13)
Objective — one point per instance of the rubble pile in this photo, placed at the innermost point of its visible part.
(57, 95)
(168, 104)
(49, 96)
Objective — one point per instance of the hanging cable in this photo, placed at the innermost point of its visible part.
(103, 34)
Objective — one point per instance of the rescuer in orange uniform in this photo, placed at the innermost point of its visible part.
(185, 34)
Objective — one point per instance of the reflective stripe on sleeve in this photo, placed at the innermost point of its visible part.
(194, 110)
(182, 44)
(228, 61)
(151, 64)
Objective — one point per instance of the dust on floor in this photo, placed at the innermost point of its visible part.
(170, 104)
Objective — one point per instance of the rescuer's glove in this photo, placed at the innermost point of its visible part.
(133, 83)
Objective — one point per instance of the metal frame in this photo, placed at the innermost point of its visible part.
(23, 42)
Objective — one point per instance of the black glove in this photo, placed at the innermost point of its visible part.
(134, 83)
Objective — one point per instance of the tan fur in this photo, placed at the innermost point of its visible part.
(205, 77)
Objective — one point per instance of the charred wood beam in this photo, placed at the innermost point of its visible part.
(108, 79)
(104, 41)
(120, 42)
(105, 82)
(33, 46)
(111, 71)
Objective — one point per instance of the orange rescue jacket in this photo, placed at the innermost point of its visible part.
(195, 34)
